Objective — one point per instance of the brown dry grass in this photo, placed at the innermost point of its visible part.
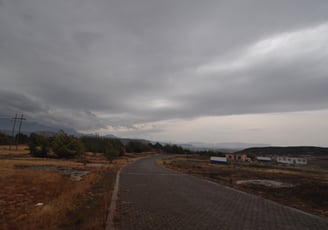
(22, 150)
(67, 204)
(22, 189)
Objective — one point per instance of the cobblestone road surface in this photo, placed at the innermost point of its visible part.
(153, 197)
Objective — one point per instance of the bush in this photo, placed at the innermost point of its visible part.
(5, 139)
(22, 138)
(174, 149)
(110, 152)
(65, 146)
(111, 148)
(92, 143)
(39, 145)
(137, 147)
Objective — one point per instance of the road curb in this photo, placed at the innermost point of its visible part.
(110, 218)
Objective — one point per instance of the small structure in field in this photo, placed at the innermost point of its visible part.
(218, 160)
(264, 159)
(292, 160)
(237, 157)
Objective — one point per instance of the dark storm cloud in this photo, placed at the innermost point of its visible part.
(10, 102)
(92, 64)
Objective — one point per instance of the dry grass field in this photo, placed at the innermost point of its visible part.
(49, 199)
(304, 188)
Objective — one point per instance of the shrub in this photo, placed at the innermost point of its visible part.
(65, 146)
(39, 145)
(137, 147)
(91, 143)
(112, 148)
(5, 139)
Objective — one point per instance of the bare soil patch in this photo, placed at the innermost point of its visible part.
(307, 186)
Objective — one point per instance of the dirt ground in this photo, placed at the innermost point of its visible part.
(307, 185)
(48, 199)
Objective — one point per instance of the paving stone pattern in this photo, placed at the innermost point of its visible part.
(153, 197)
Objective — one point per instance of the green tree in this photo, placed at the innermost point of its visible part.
(112, 149)
(39, 145)
(92, 143)
(65, 146)
(22, 138)
(137, 147)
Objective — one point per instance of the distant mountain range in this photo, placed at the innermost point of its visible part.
(222, 147)
(287, 151)
(249, 148)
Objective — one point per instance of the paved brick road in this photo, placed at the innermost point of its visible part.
(156, 198)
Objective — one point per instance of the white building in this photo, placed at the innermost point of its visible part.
(218, 160)
(292, 160)
(264, 159)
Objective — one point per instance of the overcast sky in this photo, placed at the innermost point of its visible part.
(173, 70)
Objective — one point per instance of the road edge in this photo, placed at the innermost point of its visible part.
(110, 218)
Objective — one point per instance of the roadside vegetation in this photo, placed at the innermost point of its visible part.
(38, 193)
(40, 187)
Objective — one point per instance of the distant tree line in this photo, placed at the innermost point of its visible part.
(62, 145)
(137, 147)
(5, 139)
(170, 149)
(8, 140)
(111, 148)
(211, 153)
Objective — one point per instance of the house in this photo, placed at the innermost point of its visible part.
(292, 160)
(237, 157)
(218, 160)
(263, 159)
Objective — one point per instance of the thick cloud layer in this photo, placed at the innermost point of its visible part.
(97, 64)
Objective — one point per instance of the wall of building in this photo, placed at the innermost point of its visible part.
(237, 157)
(292, 160)
(218, 160)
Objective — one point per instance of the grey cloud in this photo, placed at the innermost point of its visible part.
(77, 60)
(11, 102)
(34, 109)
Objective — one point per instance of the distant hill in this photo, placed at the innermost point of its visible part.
(287, 151)
(127, 140)
(111, 136)
(221, 147)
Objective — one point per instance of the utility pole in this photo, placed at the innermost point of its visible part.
(19, 129)
(16, 140)
(13, 131)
